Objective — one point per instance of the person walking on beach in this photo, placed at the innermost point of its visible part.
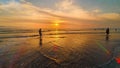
(107, 31)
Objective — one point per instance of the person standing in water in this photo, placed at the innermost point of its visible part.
(40, 34)
(107, 31)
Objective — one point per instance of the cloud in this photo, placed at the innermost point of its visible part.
(96, 10)
(22, 10)
(25, 10)
(70, 9)
(66, 10)
(110, 16)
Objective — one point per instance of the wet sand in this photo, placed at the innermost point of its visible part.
(82, 51)
(63, 51)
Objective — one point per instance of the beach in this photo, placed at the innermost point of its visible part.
(59, 33)
(61, 49)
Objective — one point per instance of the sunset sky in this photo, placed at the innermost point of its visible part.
(60, 13)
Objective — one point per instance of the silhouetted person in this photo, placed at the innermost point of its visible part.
(40, 34)
(107, 34)
(107, 31)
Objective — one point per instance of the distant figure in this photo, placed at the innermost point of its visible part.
(40, 34)
(107, 31)
(107, 34)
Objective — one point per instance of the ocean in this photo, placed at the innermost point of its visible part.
(73, 48)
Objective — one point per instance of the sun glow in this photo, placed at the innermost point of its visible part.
(57, 23)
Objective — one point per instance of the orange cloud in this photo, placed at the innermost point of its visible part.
(66, 10)
(110, 16)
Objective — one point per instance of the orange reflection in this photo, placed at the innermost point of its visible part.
(56, 34)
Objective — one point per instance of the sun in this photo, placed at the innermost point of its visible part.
(56, 24)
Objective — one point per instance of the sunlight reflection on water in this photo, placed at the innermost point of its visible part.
(81, 49)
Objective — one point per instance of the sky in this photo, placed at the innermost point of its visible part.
(60, 13)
